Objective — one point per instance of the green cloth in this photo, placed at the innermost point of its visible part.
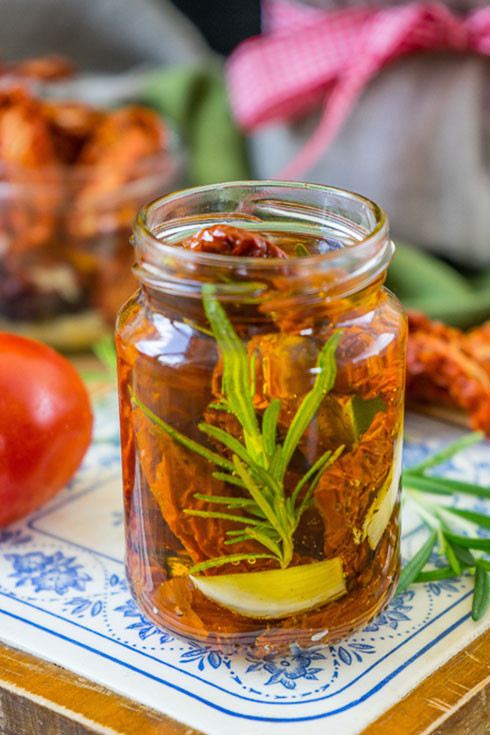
(422, 281)
(195, 101)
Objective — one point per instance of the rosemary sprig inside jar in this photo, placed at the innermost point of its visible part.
(258, 465)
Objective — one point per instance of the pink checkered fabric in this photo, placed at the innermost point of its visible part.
(308, 55)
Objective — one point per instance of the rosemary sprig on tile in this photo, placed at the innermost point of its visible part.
(454, 530)
(105, 351)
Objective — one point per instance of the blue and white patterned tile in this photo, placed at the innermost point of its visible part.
(64, 597)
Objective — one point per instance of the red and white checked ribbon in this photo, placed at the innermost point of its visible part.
(306, 55)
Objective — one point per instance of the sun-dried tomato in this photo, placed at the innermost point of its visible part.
(27, 161)
(66, 167)
(45, 68)
(445, 366)
(112, 156)
(227, 240)
(477, 345)
(71, 124)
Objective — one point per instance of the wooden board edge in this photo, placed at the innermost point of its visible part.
(459, 688)
(33, 690)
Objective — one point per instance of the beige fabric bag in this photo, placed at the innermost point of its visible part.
(418, 143)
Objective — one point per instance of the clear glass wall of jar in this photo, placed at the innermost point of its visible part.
(261, 410)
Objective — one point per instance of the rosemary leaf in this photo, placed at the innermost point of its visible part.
(253, 375)
(327, 370)
(94, 376)
(231, 479)
(469, 542)
(216, 514)
(452, 559)
(249, 505)
(181, 438)
(198, 327)
(266, 480)
(415, 565)
(219, 406)
(224, 500)
(481, 594)
(220, 560)
(442, 485)
(275, 462)
(306, 500)
(262, 527)
(266, 541)
(105, 350)
(237, 540)
(236, 374)
(466, 441)
(464, 555)
(425, 484)
(269, 425)
(435, 574)
(479, 519)
(464, 488)
(306, 477)
(324, 467)
(257, 495)
(229, 441)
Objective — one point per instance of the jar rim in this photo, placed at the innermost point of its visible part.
(144, 233)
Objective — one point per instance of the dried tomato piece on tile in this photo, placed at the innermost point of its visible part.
(446, 366)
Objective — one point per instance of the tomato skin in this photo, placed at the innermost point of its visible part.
(45, 424)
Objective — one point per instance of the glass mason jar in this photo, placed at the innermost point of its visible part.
(261, 405)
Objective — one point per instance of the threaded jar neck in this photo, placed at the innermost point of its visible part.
(350, 235)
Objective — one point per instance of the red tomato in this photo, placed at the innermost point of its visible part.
(45, 424)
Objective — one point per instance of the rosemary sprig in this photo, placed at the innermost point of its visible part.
(105, 351)
(423, 491)
(259, 463)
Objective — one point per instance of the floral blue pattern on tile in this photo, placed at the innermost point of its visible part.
(395, 613)
(349, 652)
(203, 656)
(288, 669)
(144, 627)
(48, 571)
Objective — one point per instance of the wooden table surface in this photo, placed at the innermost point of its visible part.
(39, 698)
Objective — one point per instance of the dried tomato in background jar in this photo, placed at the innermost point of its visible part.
(72, 179)
(261, 370)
